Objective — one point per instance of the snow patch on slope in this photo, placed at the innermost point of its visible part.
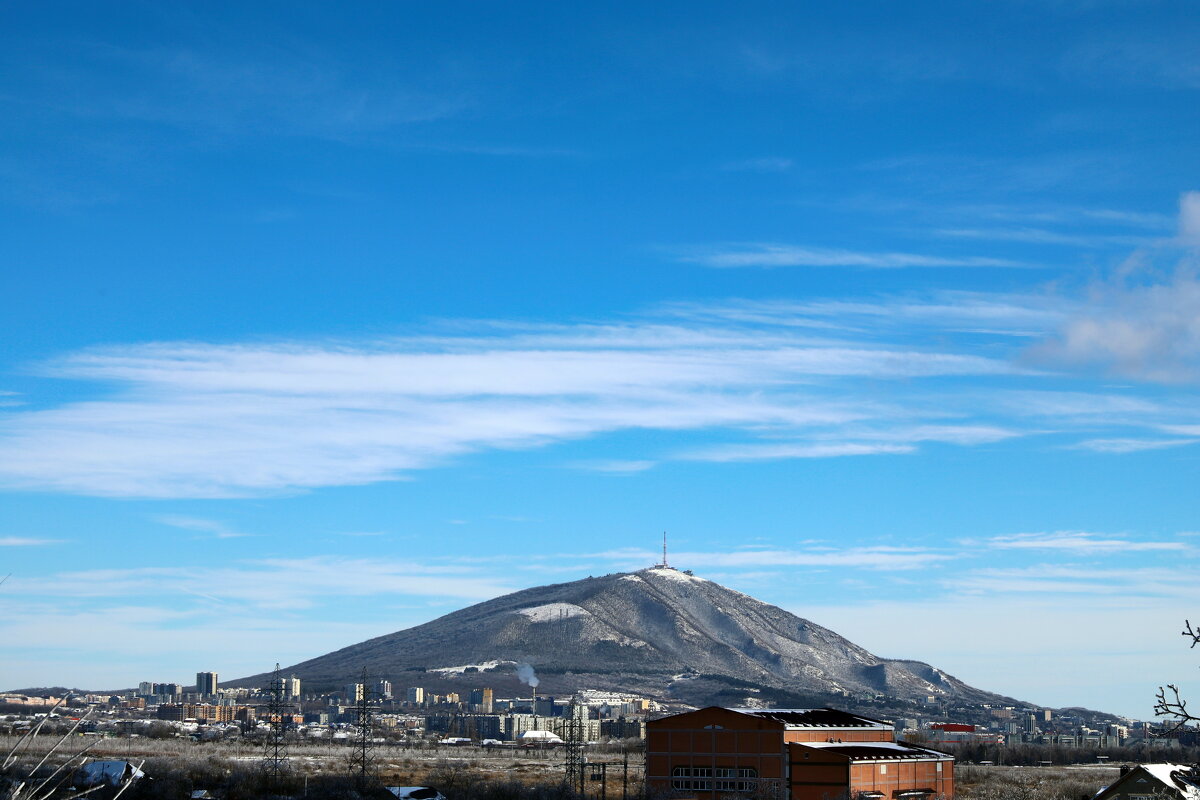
(552, 612)
(486, 665)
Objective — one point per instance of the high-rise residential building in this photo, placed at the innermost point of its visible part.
(291, 687)
(416, 696)
(167, 689)
(482, 700)
(145, 688)
(206, 683)
(383, 690)
(354, 692)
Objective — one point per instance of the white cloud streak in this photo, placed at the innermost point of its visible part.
(1132, 445)
(885, 375)
(879, 558)
(783, 255)
(207, 420)
(218, 529)
(1080, 542)
(281, 584)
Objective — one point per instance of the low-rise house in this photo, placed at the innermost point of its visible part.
(1154, 782)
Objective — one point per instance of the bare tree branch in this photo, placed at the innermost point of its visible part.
(1192, 633)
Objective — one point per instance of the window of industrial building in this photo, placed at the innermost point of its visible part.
(714, 779)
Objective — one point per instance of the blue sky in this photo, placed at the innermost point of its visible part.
(321, 322)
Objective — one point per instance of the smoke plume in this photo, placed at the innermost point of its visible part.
(527, 675)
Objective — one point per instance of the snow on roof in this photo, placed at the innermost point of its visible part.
(872, 751)
(814, 717)
(552, 612)
(548, 736)
(1176, 776)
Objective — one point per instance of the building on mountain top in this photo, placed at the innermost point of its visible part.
(799, 754)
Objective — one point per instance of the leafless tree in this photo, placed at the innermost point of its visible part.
(1172, 705)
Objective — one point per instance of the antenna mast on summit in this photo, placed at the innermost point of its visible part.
(665, 549)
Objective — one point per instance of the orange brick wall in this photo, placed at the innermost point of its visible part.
(811, 775)
(818, 776)
(713, 737)
(902, 776)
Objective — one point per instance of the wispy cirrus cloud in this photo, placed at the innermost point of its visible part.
(784, 255)
(616, 466)
(771, 452)
(26, 541)
(733, 381)
(764, 164)
(279, 583)
(1081, 542)
(1132, 445)
(1066, 579)
(217, 529)
(1042, 236)
(194, 419)
(1026, 315)
(880, 557)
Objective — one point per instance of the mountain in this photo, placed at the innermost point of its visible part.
(658, 631)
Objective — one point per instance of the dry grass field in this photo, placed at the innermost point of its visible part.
(456, 770)
(474, 773)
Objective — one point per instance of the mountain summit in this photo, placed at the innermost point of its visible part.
(660, 631)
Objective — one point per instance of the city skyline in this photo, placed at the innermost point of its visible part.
(319, 325)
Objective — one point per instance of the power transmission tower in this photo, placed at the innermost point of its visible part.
(362, 760)
(573, 748)
(275, 760)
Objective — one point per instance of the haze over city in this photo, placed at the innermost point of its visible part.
(320, 323)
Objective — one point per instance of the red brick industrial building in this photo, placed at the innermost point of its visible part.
(793, 754)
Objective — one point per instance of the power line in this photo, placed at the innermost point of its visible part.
(573, 748)
(362, 759)
(275, 760)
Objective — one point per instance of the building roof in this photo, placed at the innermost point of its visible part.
(877, 751)
(111, 772)
(814, 717)
(1175, 776)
